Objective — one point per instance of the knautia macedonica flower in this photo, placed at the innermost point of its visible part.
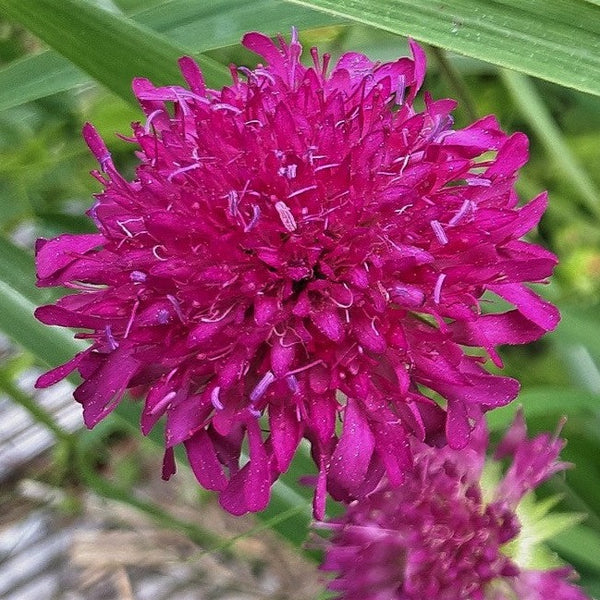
(454, 531)
(303, 246)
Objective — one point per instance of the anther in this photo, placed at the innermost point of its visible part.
(286, 216)
(439, 232)
(261, 386)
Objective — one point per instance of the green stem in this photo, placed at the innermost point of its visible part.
(455, 81)
(41, 415)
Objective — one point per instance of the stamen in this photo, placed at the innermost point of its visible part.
(161, 404)
(289, 171)
(137, 276)
(292, 383)
(374, 328)
(437, 290)
(219, 318)
(439, 232)
(155, 252)
(462, 211)
(110, 339)
(265, 74)
(225, 106)
(151, 118)
(125, 230)
(304, 368)
(480, 181)
(349, 303)
(400, 90)
(130, 322)
(302, 191)
(182, 170)
(177, 307)
(261, 386)
(254, 220)
(329, 166)
(286, 216)
(214, 398)
(234, 200)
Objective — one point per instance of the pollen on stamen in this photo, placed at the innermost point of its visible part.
(182, 170)
(286, 216)
(110, 338)
(214, 398)
(233, 198)
(292, 383)
(437, 290)
(261, 386)
(289, 171)
(302, 191)
(177, 307)
(138, 276)
(439, 232)
(254, 220)
(467, 206)
(163, 403)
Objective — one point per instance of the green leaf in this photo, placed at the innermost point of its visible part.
(34, 77)
(557, 40)
(580, 545)
(111, 48)
(198, 26)
(17, 321)
(542, 401)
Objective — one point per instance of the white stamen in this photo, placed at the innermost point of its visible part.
(130, 322)
(225, 106)
(234, 200)
(462, 211)
(151, 118)
(261, 386)
(329, 166)
(182, 170)
(292, 383)
(286, 216)
(439, 232)
(289, 171)
(216, 319)
(374, 328)
(254, 220)
(302, 191)
(125, 230)
(177, 307)
(163, 403)
(155, 252)
(437, 290)
(214, 398)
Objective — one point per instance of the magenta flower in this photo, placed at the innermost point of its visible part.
(444, 534)
(304, 246)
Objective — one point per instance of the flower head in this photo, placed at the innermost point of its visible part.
(442, 534)
(305, 246)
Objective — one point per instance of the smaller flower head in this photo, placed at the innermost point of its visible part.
(439, 535)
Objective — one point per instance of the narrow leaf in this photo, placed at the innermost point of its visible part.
(111, 48)
(557, 40)
(181, 21)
